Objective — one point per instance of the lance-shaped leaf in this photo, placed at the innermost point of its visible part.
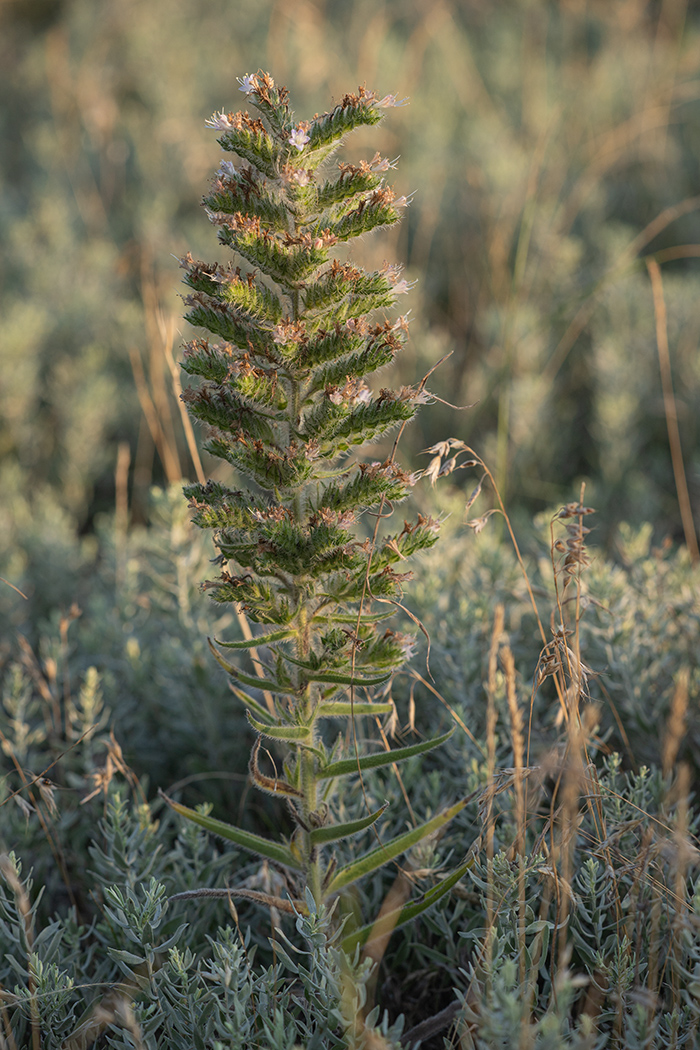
(275, 851)
(343, 709)
(254, 643)
(246, 679)
(253, 705)
(334, 832)
(399, 916)
(380, 856)
(346, 766)
(334, 678)
(293, 734)
(365, 618)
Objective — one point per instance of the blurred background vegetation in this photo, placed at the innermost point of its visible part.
(550, 146)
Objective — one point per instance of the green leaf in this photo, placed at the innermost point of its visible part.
(253, 705)
(121, 955)
(262, 847)
(334, 832)
(295, 733)
(366, 618)
(263, 639)
(399, 916)
(246, 679)
(334, 678)
(343, 709)
(376, 858)
(346, 766)
(172, 940)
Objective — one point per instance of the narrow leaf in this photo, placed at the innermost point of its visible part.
(121, 955)
(343, 831)
(263, 639)
(246, 679)
(400, 916)
(344, 679)
(280, 732)
(376, 858)
(343, 709)
(347, 766)
(275, 851)
(352, 617)
(253, 705)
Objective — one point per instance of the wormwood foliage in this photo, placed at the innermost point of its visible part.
(285, 398)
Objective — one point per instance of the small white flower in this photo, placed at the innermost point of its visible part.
(391, 101)
(219, 121)
(301, 176)
(403, 286)
(379, 163)
(249, 83)
(298, 138)
(407, 644)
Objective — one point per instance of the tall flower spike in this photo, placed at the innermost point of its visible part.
(286, 402)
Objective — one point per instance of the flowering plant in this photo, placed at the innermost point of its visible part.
(285, 397)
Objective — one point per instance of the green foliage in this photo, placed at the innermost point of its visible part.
(623, 884)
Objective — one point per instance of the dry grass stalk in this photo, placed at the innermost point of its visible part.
(675, 726)
(674, 436)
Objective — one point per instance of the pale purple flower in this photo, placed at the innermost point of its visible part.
(391, 101)
(219, 121)
(249, 83)
(227, 169)
(298, 138)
